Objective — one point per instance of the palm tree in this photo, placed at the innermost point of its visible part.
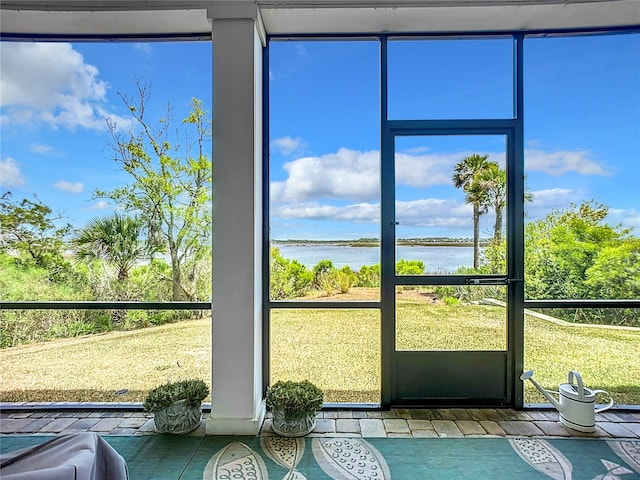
(465, 176)
(493, 180)
(117, 240)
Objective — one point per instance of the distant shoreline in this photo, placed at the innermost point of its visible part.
(405, 242)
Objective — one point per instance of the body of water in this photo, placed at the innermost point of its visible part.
(436, 259)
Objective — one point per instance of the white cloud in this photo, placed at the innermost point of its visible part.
(561, 162)
(426, 170)
(346, 186)
(288, 146)
(41, 149)
(418, 213)
(347, 174)
(629, 218)
(145, 49)
(68, 186)
(10, 175)
(359, 212)
(551, 198)
(433, 212)
(355, 175)
(547, 200)
(50, 82)
(533, 142)
(416, 150)
(100, 205)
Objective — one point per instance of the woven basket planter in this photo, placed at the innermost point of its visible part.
(298, 427)
(178, 418)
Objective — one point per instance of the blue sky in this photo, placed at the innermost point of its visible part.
(582, 125)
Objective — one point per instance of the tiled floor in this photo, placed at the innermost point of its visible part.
(394, 423)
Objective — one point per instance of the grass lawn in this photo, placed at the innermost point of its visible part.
(607, 358)
(93, 368)
(338, 350)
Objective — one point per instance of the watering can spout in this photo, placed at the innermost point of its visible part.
(528, 375)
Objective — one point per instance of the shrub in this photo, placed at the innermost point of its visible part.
(150, 283)
(295, 399)
(368, 276)
(322, 268)
(136, 319)
(327, 282)
(193, 391)
(345, 278)
(289, 278)
(28, 326)
(409, 267)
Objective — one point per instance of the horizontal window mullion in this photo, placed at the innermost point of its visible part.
(609, 303)
(92, 305)
(346, 305)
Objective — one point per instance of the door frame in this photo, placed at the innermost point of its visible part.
(513, 361)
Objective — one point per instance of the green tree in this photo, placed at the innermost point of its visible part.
(171, 185)
(28, 228)
(118, 241)
(568, 252)
(466, 176)
(615, 272)
(493, 182)
(574, 254)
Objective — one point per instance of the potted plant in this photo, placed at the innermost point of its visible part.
(294, 406)
(177, 406)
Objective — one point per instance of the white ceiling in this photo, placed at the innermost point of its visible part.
(38, 18)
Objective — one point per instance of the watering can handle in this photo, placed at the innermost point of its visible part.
(608, 405)
(575, 374)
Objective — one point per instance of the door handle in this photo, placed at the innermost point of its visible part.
(491, 281)
(487, 281)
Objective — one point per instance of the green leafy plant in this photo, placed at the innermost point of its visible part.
(409, 267)
(322, 267)
(327, 282)
(295, 399)
(368, 276)
(345, 278)
(289, 278)
(193, 391)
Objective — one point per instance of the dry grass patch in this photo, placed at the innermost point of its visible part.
(607, 358)
(93, 368)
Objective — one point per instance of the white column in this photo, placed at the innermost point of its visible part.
(237, 401)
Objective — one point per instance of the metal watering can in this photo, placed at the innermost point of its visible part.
(577, 402)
